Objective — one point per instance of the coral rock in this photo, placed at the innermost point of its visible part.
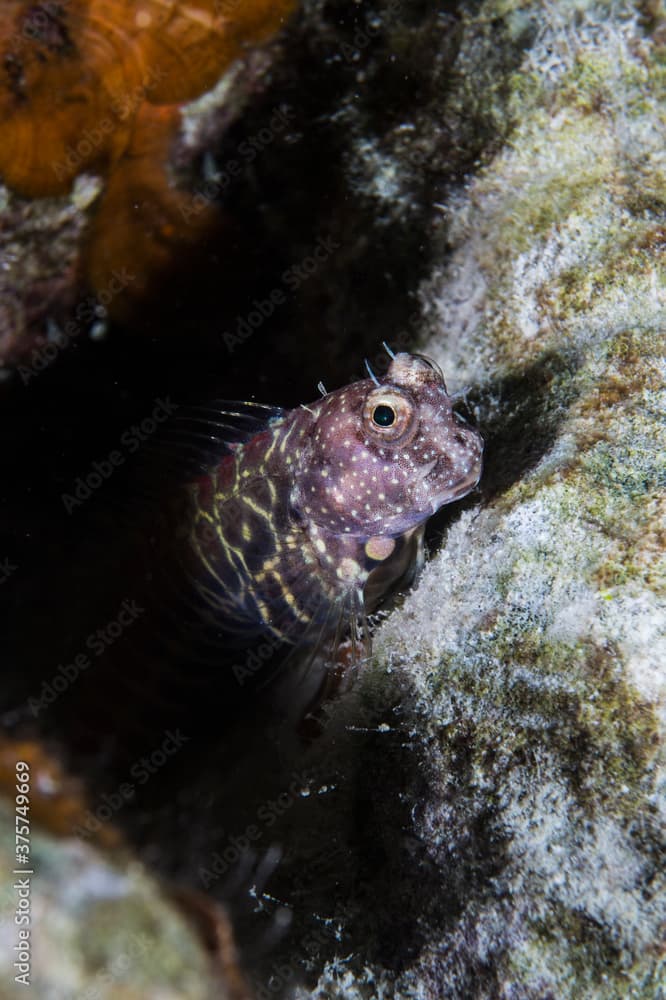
(64, 78)
(75, 75)
(138, 229)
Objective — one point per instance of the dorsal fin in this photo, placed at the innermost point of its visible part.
(197, 437)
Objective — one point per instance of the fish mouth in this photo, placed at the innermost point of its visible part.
(470, 480)
(460, 488)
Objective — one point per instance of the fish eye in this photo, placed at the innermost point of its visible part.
(389, 414)
(383, 415)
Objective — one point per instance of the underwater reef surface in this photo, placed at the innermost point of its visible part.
(91, 100)
(79, 915)
(484, 814)
(101, 929)
(515, 774)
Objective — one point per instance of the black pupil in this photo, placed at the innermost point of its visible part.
(384, 415)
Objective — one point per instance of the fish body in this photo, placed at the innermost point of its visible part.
(252, 536)
(300, 528)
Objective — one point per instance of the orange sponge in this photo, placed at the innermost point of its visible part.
(75, 73)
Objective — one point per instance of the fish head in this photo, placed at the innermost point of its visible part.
(383, 457)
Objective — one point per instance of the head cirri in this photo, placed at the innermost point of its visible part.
(379, 459)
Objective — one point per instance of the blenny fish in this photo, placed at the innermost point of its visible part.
(267, 539)
(312, 514)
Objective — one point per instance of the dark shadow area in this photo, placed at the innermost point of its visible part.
(519, 418)
(362, 868)
(524, 415)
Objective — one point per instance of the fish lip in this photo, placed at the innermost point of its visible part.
(461, 488)
(430, 471)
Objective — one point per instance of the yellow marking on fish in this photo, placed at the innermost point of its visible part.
(206, 561)
(258, 509)
(379, 548)
(285, 439)
(291, 601)
(335, 485)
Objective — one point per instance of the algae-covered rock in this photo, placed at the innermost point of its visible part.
(483, 816)
(97, 928)
(512, 789)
